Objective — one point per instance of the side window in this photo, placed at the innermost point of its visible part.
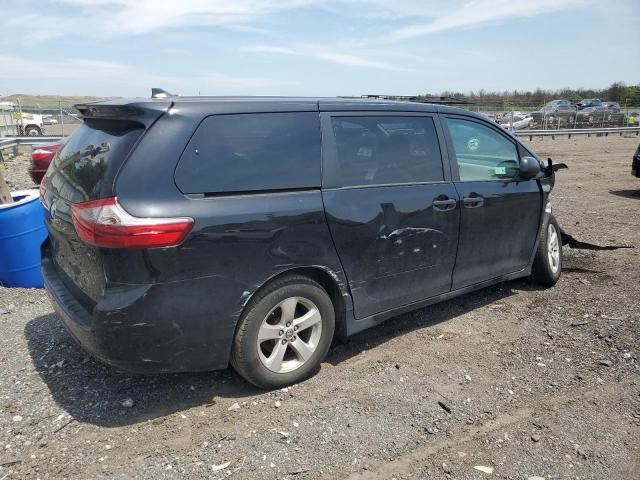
(374, 150)
(481, 152)
(252, 151)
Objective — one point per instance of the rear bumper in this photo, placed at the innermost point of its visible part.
(145, 328)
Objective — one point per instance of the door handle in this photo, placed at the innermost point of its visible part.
(443, 204)
(473, 202)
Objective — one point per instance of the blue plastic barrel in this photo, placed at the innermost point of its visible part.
(22, 232)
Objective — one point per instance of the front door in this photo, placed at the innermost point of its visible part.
(391, 207)
(500, 214)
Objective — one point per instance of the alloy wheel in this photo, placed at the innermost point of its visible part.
(289, 334)
(553, 248)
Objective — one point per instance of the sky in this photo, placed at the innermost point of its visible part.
(314, 47)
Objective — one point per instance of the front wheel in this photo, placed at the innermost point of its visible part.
(547, 264)
(284, 334)
(32, 131)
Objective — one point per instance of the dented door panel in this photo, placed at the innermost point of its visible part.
(395, 247)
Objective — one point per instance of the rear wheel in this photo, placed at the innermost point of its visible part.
(284, 334)
(547, 264)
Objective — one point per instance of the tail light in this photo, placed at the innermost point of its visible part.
(41, 154)
(104, 223)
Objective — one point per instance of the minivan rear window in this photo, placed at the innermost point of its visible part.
(84, 169)
(252, 152)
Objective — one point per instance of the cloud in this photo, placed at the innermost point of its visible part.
(116, 18)
(113, 77)
(144, 16)
(473, 13)
(270, 49)
(351, 60)
(331, 54)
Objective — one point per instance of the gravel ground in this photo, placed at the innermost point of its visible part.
(16, 167)
(514, 380)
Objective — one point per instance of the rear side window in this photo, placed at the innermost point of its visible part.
(375, 150)
(252, 152)
(85, 168)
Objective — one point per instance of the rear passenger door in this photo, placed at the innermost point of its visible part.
(500, 212)
(391, 206)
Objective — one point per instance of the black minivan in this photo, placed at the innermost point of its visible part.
(189, 233)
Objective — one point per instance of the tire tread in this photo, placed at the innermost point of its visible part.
(541, 273)
(239, 360)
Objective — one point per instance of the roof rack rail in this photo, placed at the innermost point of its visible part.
(160, 93)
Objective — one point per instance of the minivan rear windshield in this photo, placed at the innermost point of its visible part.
(86, 166)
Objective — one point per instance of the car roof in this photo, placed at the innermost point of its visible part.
(249, 104)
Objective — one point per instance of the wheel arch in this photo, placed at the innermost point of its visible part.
(328, 280)
(32, 125)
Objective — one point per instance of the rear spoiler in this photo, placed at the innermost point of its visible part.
(143, 112)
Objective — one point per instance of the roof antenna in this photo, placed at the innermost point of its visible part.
(160, 93)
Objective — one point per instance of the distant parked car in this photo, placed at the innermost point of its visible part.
(558, 111)
(490, 116)
(592, 110)
(555, 113)
(635, 163)
(588, 103)
(559, 106)
(613, 106)
(518, 123)
(41, 157)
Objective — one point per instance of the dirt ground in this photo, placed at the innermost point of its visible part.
(539, 383)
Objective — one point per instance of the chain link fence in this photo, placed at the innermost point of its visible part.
(33, 120)
(559, 114)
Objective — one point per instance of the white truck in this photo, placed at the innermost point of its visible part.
(31, 124)
(15, 122)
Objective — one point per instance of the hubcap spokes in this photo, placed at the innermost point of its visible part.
(553, 248)
(289, 334)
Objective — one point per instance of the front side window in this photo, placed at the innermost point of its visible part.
(375, 150)
(481, 152)
(252, 152)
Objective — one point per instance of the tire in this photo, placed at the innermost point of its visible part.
(547, 265)
(270, 343)
(32, 131)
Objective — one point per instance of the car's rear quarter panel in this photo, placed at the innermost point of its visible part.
(237, 244)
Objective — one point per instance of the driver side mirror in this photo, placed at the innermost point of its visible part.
(529, 168)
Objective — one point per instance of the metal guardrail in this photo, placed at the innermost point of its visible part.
(576, 131)
(8, 142)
